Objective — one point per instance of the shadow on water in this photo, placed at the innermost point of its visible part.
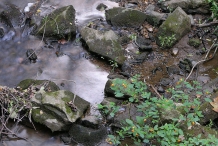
(72, 70)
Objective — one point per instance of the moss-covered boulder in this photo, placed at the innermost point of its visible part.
(48, 85)
(106, 44)
(59, 24)
(189, 6)
(57, 110)
(173, 29)
(125, 17)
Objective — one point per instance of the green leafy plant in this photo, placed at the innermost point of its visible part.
(167, 41)
(213, 8)
(110, 109)
(113, 64)
(148, 128)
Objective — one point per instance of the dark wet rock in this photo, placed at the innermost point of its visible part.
(101, 7)
(59, 24)
(154, 18)
(2, 33)
(189, 6)
(57, 110)
(186, 65)
(125, 17)
(87, 136)
(37, 84)
(31, 55)
(126, 68)
(160, 89)
(9, 35)
(208, 113)
(12, 16)
(124, 40)
(175, 51)
(165, 81)
(113, 76)
(195, 42)
(174, 28)
(106, 44)
(92, 121)
(174, 69)
(143, 43)
(141, 57)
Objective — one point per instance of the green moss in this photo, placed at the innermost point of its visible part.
(195, 42)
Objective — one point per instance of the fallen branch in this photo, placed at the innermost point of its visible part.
(205, 59)
(207, 24)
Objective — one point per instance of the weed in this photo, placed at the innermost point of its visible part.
(167, 41)
(113, 64)
(148, 128)
(213, 8)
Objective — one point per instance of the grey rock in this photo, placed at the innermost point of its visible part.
(125, 17)
(189, 6)
(57, 110)
(143, 43)
(105, 43)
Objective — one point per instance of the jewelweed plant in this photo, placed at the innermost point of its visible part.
(148, 128)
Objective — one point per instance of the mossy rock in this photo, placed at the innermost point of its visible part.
(125, 17)
(58, 109)
(106, 44)
(195, 42)
(59, 24)
(177, 25)
(51, 86)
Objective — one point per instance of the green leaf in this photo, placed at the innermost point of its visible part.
(140, 120)
(119, 94)
(128, 121)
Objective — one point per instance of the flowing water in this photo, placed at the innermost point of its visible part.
(72, 71)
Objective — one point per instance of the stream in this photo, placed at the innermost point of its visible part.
(70, 72)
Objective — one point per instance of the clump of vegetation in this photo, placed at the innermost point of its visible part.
(167, 41)
(148, 128)
(16, 105)
(213, 8)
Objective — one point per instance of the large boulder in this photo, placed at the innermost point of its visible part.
(59, 24)
(57, 110)
(189, 6)
(125, 17)
(106, 44)
(173, 29)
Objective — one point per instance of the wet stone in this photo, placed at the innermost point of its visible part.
(31, 55)
(175, 51)
(143, 43)
(165, 81)
(101, 7)
(2, 33)
(160, 89)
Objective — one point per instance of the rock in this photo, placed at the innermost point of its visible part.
(106, 44)
(141, 57)
(175, 51)
(59, 24)
(101, 7)
(154, 18)
(125, 17)
(37, 84)
(2, 33)
(165, 81)
(173, 29)
(31, 55)
(143, 44)
(174, 69)
(9, 35)
(11, 16)
(189, 6)
(185, 65)
(208, 113)
(87, 136)
(57, 110)
(195, 42)
(160, 89)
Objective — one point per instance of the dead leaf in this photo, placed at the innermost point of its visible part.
(62, 41)
(215, 104)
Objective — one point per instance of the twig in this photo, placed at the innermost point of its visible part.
(205, 59)
(207, 24)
